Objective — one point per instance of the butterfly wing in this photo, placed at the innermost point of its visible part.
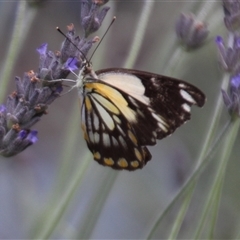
(125, 110)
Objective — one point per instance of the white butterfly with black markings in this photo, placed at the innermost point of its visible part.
(124, 110)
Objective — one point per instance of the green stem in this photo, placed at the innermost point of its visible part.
(23, 20)
(180, 217)
(215, 120)
(68, 150)
(207, 142)
(139, 33)
(215, 190)
(55, 214)
(188, 184)
(96, 205)
(219, 179)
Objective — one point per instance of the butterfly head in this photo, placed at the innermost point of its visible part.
(86, 73)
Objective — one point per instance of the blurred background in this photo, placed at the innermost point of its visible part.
(109, 204)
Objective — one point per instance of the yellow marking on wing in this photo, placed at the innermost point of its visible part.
(132, 137)
(108, 161)
(85, 135)
(116, 119)
(106, 103)
(96, 156)
(116, 97)
(105, 116)
(88, 103)
(135, 164)
(122, 163)
(138, 154)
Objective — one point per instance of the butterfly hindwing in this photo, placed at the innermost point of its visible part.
(125, 110)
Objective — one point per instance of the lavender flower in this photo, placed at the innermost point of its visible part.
(231, 10)
(92, 16)
(23, 109)
(229, 56)
(232, 101)
(191, 32)
(35, 91)
(55, 65)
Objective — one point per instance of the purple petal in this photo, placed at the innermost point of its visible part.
(2, 108)
(22, 134)
(32, 136)
(235, 81)
(71, 64)
(42, 49)
(219, 40)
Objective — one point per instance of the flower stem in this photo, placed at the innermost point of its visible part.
(139, 33)
(23, 20)
(56, 212)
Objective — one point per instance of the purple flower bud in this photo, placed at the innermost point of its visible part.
(232, 14)
(22, 134)
(228, 57)
(231, 100)
(191, 32)
(91, 15)
(219, 40)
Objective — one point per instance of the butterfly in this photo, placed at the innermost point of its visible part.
(124, 110)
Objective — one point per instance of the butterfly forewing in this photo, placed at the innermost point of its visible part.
(125, 110)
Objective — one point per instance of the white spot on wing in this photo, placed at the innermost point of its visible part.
(116, 119)
(140, 113)
(133, 101)
(83, 115)
(154, 134)
(91, 137)
(120, 130)
(115, 142)
(187, 96)
(96, 137)
(159, 118)
(162, 127)
(95, 122)
(153, 140)
(128, 83)
(161, 123)
(89, 121)
(182, 85)
(186, 107)
(122, 141)
(154, 82)
(106, 140)
(107, 119)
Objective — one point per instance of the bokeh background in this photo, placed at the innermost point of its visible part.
(109, 204)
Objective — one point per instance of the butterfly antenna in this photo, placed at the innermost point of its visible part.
(61, 32)
(113, 20)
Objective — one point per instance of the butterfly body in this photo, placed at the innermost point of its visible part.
(125, 110)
